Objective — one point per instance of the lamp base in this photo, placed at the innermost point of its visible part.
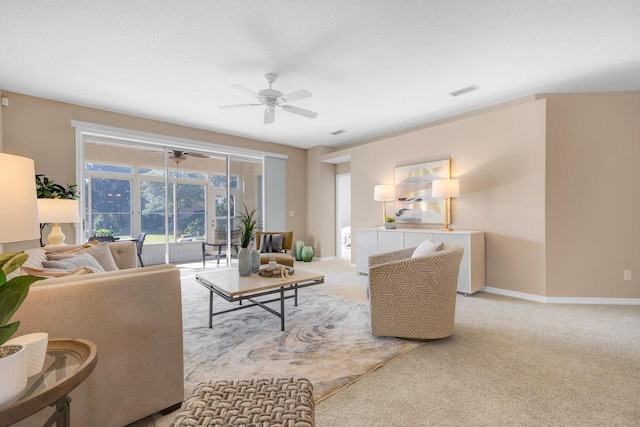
(56, 237)
(446, 229)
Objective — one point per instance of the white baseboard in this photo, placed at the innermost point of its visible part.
(561, 300)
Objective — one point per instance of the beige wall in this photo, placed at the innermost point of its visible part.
(499, 158)
(552, 181)
(41, 129)
(321, 203)
(593, 195)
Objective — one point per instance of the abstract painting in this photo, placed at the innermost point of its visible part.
(414, 203)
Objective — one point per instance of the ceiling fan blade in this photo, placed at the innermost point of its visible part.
(269, 115)
(300, 111)
(202, 156)
(246, 90)
(295, 96)
(237, 106)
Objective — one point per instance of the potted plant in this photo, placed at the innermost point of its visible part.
(248, 225)
(389, 222)
(12, 357)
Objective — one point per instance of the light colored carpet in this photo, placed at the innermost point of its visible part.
(509, 363)
(326, 339)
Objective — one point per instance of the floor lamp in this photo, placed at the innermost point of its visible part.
(384, 194)
(446, 188)
(57, 211)
(18, 222)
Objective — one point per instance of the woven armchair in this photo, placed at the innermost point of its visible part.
(414, 297)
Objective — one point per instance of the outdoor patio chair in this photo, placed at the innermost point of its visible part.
(220, 243)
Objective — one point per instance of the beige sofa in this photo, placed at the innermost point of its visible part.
(134, 316)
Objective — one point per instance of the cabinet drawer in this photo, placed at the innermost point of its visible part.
(413, 238)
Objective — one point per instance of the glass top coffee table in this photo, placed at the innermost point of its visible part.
(227, 284)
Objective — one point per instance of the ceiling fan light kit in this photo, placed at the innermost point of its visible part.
(272, 98)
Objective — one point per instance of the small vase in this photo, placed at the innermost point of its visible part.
(36, 345)
(244, 262)
(255, 261)
(13, 371)
(298, 249)
(307, 254)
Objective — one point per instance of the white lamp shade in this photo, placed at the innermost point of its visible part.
(445, 188)
(58, 211)
(384, 193)
(19, 213)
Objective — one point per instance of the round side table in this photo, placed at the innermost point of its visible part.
(67, 364)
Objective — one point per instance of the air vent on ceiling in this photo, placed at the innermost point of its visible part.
(464, 90)
(338, 132)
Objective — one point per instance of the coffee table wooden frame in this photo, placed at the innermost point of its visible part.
(229, 286)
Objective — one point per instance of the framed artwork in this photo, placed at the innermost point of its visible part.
(414, 203)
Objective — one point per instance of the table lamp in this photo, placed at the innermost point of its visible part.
(446, 188)
(384, 194)
(57, 211)
(19, 213)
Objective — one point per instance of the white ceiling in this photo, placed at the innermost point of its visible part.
(374, 67)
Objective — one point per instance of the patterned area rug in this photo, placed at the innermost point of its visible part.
(326, 340)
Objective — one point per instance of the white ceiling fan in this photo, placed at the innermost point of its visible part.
(272, 98)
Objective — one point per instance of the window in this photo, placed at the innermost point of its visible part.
(99, 167)
(190, 212)
(110, 206)
(220, 181)
(152, 210)
(187, 216)
(222, 210)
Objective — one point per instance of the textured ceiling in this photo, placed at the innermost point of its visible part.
(374, 67)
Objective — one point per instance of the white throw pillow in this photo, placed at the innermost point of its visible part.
(427, 247)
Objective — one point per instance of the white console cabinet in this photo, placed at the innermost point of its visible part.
(372, 241)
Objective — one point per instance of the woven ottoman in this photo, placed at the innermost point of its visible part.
(275, 402)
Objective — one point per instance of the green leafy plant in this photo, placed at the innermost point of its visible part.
(12, 292)
(248, 226)
(104, 232)
(47, 189)
(389, 219)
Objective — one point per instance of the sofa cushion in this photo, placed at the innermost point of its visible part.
(36, 256)
(100, 253)
(271, 243)
(72, 262)
(427, 247)
(55, 272)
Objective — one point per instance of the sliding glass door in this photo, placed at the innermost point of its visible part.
(178, 197)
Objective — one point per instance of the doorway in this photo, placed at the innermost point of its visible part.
(343, 216)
